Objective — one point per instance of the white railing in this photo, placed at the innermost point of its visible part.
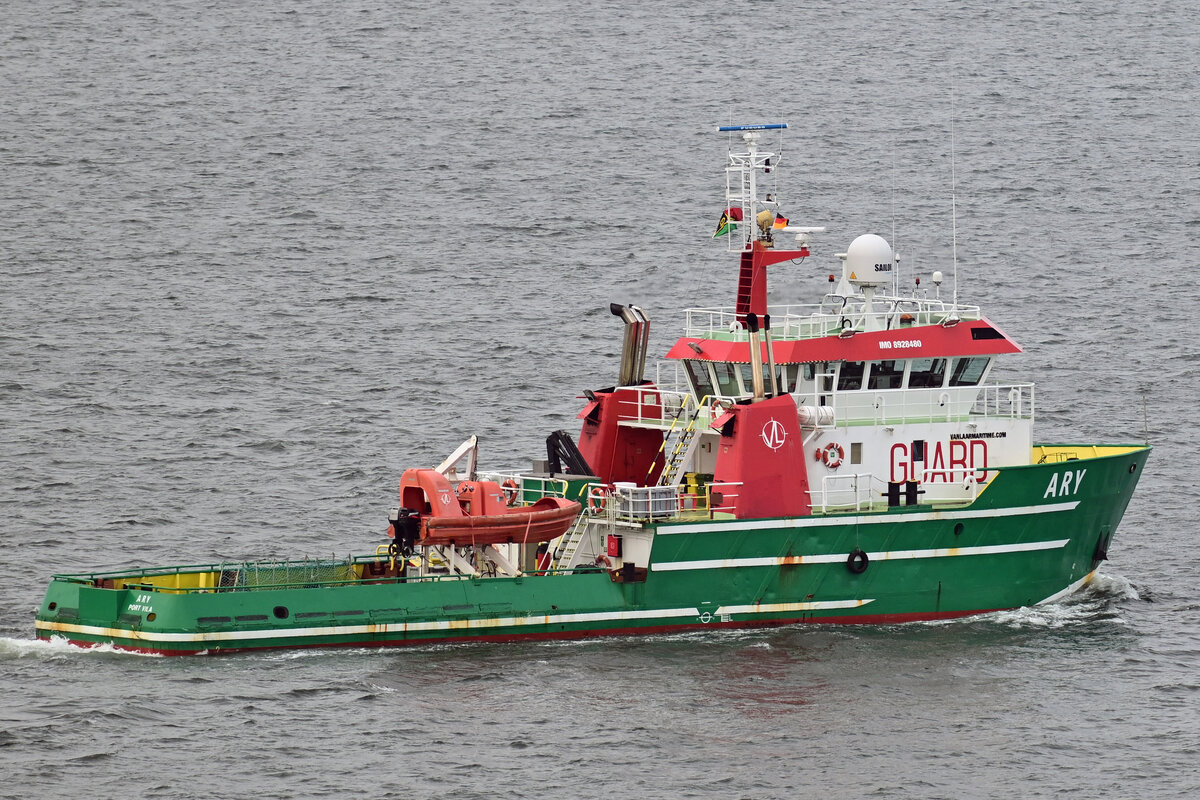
(864, 492)
(958, 485)
(899, 406)
(626, 502)
(849, 492)
(670, 377)
(1015, 401)
(810, 321)
(638, 503)
(659, 408)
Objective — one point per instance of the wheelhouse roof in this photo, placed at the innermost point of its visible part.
(972, 338)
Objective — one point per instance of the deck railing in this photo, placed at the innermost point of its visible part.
(811, 321)
(659, 406)
(864, 491)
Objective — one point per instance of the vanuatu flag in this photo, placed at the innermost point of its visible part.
(729, 220)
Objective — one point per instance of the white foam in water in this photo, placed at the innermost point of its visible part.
(1092, 603)
(59, 646)
(1089, 604)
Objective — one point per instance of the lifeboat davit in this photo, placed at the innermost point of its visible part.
(477, 512)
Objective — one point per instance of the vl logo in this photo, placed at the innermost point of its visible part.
(773, 434)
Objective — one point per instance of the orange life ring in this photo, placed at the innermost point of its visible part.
(603, 561)
(833, 455)
(511, 490)
(597, 500)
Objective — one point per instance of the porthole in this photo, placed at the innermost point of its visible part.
(280, 612)
(1132, 468)
(151, 617)
(52, 606)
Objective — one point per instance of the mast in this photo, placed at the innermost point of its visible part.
(745, 201)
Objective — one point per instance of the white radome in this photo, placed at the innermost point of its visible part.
(869, 261)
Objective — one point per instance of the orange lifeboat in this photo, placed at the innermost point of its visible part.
(477, 513)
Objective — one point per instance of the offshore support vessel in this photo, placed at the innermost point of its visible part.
(845, 462)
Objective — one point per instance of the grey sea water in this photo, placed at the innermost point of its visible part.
(256, 259)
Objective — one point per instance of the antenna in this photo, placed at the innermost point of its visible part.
(895, 250)
(1145, 419)
(953, 199)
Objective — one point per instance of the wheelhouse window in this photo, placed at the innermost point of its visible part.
(747, 373)
(851, 375)
(886, 375)
(698, 375)
(927, 373)
(969, 371)
(727, 381)
(809, 373)
(788, 376)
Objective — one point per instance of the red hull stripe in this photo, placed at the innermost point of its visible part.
(861, 619)
(929, 341)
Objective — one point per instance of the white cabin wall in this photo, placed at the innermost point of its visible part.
(886, 451)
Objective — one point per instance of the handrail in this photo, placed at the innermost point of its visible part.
(814, 320)
(719, 500)
(854, 478)
(551, 487)
(149, 587)
(920, 404)
(187, 569)
(863, 499)
(679, 404)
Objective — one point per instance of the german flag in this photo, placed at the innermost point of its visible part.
(780, 222)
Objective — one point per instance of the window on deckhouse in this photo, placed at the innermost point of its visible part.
(747, 373)
(886, 375)
(927, 373)
(727, 381)
(809, 375)
(968, 371)
(789, 374)
(698, 376)
(851, 375)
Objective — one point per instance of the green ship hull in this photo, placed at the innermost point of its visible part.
(840, 462)
(1037, 532)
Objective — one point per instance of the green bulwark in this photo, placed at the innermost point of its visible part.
(1036, 533)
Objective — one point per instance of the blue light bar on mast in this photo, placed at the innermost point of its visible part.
(770, 126)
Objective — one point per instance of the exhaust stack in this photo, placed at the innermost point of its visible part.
(637, 340)
(755, 356)
(770, 354)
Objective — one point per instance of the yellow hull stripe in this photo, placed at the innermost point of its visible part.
(443, 625)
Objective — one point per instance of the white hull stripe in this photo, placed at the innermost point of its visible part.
(435, 625)
(838, 558)
(873, 519)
